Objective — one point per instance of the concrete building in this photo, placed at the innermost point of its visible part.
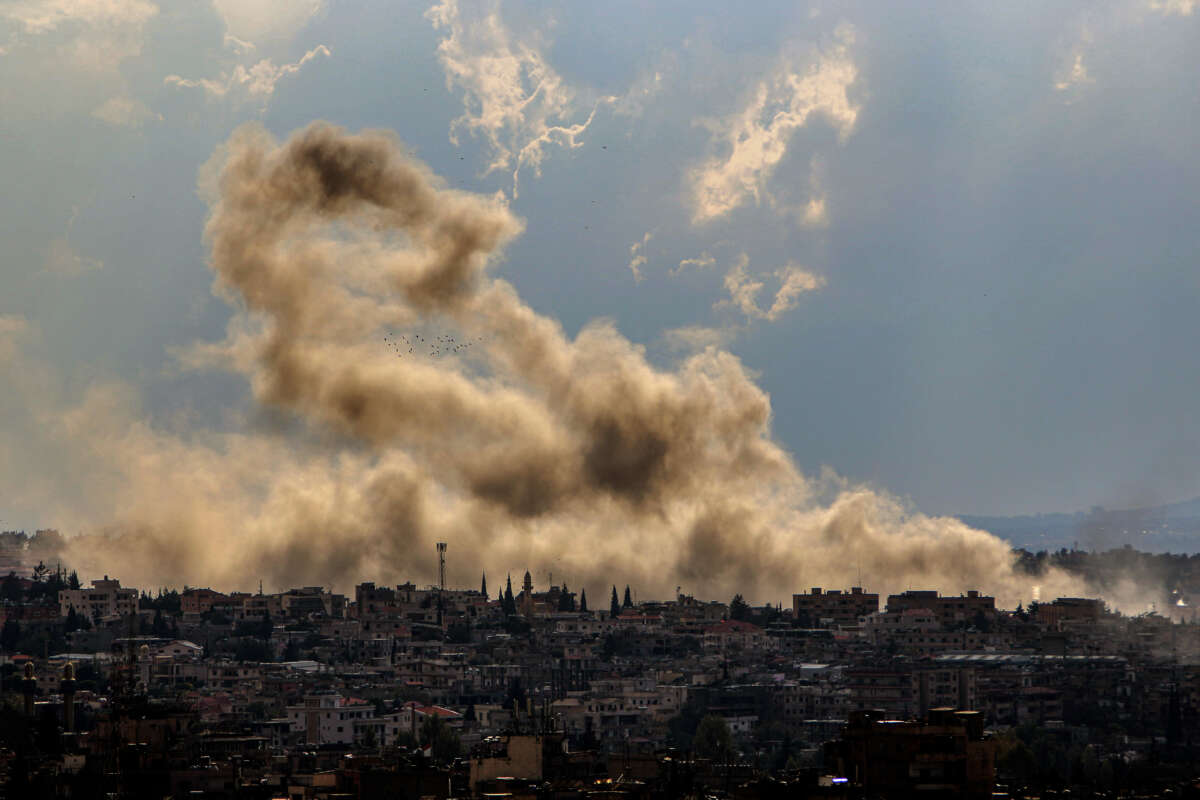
(945, 755)
(834, 608)
(949, 609)
(104, 600)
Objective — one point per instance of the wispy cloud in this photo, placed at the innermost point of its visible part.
(637, 256)
(124, 111)
(1183, 8)
(43, 16)
(752, 143)
(744, 289)
(12, 327)
(512, 97)
(245, 84)
(702, 261)
(64, 260)
(103, 33)
(257, 20)
(696, 338)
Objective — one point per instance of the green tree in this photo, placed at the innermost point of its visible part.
(435, 733)
(11, 589)
(565, 601)
(266, 627)
(10, 635)
(628, 598)
(583, 601)
(72, 623)
(73, 580)
(713, 739)
(739, 609)
(614, 610)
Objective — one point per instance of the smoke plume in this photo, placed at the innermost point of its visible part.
(435, 405)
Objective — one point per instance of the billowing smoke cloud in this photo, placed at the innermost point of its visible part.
(437, 406)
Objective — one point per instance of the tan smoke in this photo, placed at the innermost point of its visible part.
(519, 446)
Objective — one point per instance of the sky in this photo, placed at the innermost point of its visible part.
(955, 249)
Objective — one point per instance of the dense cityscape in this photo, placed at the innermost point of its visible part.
(524, 690)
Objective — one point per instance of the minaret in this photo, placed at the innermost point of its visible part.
(29, 688)
(527, 595)
(67, 687)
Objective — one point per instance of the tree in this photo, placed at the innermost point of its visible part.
(73, 580)
(439, 736)
(739, 609)
(565, 601)
(628, 598)
(266, 627)
(10, 635)
(11, 589)
(72, 623)
(40, 572)
(292, 651)
(614, 610)
(483, 587)
(713, 739)
(583, 601)
(159, 627)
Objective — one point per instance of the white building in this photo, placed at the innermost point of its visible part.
(105, 600)
(328, 718)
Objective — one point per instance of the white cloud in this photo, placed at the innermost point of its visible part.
(744, 289)
(12, 328)
(43, 16)
(702, 261)
(102, 33)
(637, 256)
(1183, 8)
(512, 97)
(754, 141)
(124, 111)
(254, 83)
(64, 260)
(814, 214)
(695, 338)
(258, 20)
(1073, 71)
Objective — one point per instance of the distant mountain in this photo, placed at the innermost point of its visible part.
(1167, 528)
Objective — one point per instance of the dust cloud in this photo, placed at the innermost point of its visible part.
(435, 405)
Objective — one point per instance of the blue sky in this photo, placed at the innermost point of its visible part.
(956, 247)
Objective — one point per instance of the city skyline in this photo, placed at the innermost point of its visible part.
(890, 267)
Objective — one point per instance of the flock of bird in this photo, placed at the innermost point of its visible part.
(417, 344)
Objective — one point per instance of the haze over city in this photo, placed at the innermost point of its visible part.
(738, 300)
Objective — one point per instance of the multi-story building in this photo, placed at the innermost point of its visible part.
(104, 600)
(948, 754)
(949, 610)
(834, 608)
(199, 601)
